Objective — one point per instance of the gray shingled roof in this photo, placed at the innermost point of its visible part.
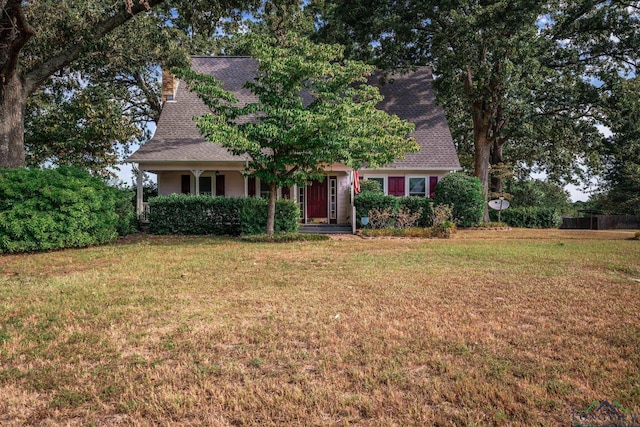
(410, 96)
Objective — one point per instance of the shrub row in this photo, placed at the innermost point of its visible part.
(463, 193)
(187, 214)
(530, 217)
(47, 209)
(367, 201)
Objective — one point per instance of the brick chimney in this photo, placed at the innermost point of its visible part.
(168, 86)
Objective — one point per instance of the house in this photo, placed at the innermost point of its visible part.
(185, 163)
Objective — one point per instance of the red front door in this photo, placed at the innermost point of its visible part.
(396, 186)
(317, 199)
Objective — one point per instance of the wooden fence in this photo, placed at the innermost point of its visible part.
(601, 222)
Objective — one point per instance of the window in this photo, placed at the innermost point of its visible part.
(301, 200)
(264, 190)
(185, 184)
(333, 198)
(418, 187)
(205, 185)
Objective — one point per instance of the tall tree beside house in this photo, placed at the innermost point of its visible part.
(89, 114)
(515, 77)
(42, 37)
(621, 157)
(313, 109)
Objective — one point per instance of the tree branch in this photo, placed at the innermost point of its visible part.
(75, 48)
(15, 29)
(149, 93)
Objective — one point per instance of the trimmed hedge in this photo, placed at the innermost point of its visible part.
(465, 194)
(196, 215)
(368, 201)
(47, 209)
(413, 204)
(530, 217)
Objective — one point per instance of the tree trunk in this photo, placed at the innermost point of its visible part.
(13, 101)
(481, 161)
(271, 211)
(496, 159)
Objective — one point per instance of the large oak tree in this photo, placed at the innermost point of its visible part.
(40, 38)
(520, 75)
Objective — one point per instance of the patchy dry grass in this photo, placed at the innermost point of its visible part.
(514, 327)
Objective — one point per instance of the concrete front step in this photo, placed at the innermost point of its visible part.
(325, 229)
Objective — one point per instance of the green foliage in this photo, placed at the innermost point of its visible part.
(367, 202)
(522, 82)
(291, 139)
(196, 215)
(442, 219)
(110, 52)
(59, 208)
(415, 204)
(370, 186)
(81, 129)
(621, 154)
(126, 210)
(536, 193)
(466, 196)
(253, 216)
(532, 217)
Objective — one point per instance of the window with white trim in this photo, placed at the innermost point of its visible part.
(264, 190)
(205, 185)
(418, 186)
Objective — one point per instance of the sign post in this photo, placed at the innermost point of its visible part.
(499, 205)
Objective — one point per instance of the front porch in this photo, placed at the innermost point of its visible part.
(326, 202)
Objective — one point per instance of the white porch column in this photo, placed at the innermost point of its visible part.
(140, 192)
(352, 177)
(197, 174)
(246, 186)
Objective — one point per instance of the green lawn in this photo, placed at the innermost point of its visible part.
(514, 327)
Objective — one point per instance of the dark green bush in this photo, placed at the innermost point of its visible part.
(370, 186)
(531, 217)
(126, 210)
(465, 194)
(368, 201)
(186, 214)
(414, 204)
(253, 216)
(59, 208)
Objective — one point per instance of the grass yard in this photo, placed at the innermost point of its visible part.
(514, 327)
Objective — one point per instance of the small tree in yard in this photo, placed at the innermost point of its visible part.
(313, 109)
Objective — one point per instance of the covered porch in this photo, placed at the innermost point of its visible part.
(326, 202)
